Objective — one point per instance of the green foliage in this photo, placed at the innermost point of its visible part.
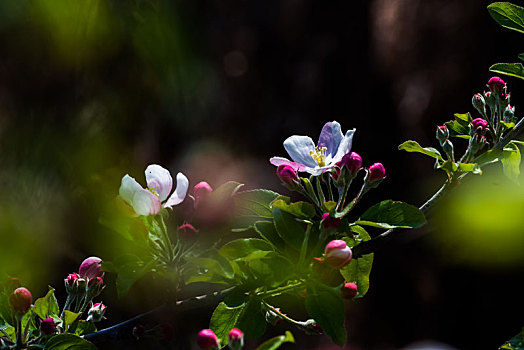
(512, 69)
(84, 327)
(413, 146)
(211, 266)
(508, 15)
(358, 270)
(223, 320)
(68, 341)
(326, 307)
(276, 342)
(70, 317)
(246, 249)
(268, 231)
(391, 214)
(129, 269)
(252, 320)
(302, 210)
(253, 206)
(511, 162)
(288, 228)
(460, 126)
(515, 343)
(47, 306)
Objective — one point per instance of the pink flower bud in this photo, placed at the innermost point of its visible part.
(287, 175)
(376, 172)
(91, 268)
(236, 339)
(187, 232)
(349, 290)
(329, 222)
(496, 83)
(201, 190)
(443, 128)
(479, 123)
(337, 253)
(352, 161)
(48, 326)
(20, 300)
(96, 312)
(95, 286)
(71, 279)
(207, 340)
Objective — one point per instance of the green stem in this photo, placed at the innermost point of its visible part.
(280, 290)
(19, 341)
(320, 191)
(303, 249)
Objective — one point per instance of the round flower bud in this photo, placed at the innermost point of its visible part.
(287, 175)
(376, 172)
(352, 161)
(71, 283)
(95, 287)
(20, 300)
(207, 340)
(48, 326)
(236, 339)
(96, 312)
(349, 290)
(479, 103)
(187, 232)
(442, 133)
(201, 190)
(496, 84)
(337, 253)
(479, 123)
(329, 221)
(91, 268)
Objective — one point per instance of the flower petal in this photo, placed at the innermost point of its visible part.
(283, 161)
(299, 148)
(345, 146)
(182, 184)
(146, 203)
(128, 187)
(330, 137)
(159, 180)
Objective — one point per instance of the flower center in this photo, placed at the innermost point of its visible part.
(153, 191)
(319, 155)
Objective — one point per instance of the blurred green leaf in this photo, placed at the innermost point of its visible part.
(392, 214)
(215, 266)
(267, 230)
(515, 343)
(252, 321)
(276, 342)
(325, 306)
(224, 192)
(223, 320)
(242, 248)
(413, 146)
(84, 327)
(47, 306)
(512, 69)
(488, 157)
(252, 206)
(511, 162)
(291, 231)
(129, 269)
(470, 167)
(302, 210)
(508, 15)
(521, 56)
(68, 341)
(329, 206)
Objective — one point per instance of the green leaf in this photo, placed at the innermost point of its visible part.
(413, 146)
(515, 343)
(47, 306)
(224, 192)
(521, 56)
(488, 157)
(460, 126)
(392, 214)
(252, 206)
(471, 167)
(329, 207)
(10, 331)
(511, 162)
(84, 327)
(508, 125)
(508, 15)
(325, 306)
(463, 118)
(291, 231)
(268, 231)
(129, 269)
(70, 317)
(252, 321)
(448, 166)
(512, 69)
(302, 210)
(276, 342)
(223, 320)
(213, 263)
(358, 272)
(68, 341)
(242, 248)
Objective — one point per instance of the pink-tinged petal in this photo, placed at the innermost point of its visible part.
(182, 184)
(128, 188)
(159, 180)
(345, 146)
(300, 148)
(283, 161)
(146, 203)
(330, 137)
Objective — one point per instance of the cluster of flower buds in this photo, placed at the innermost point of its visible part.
(89, 278)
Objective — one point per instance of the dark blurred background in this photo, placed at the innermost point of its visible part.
(91, 90)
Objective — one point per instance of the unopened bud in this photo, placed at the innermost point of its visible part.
(376, 172)
(447, 146)
(349, 290)
(352, 162)
(479, 103)
(48, 326)
(337, 253)
(288, 175)
(479, 124)
(207, 340)
(509, 114)
(71, 283)
(91, 268)
(442, 133)
(201, 191)
(236, 339)
(95, 287)
(20, 300)
(187, 232)
(96, 312)
(496, 84)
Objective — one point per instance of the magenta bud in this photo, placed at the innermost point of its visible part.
(20, 300)
(96, 312)
(48, 326)
(187, 232)
(287, 175)
(329, 222)
(479, 123)
(352, 161)
(91, 268)
(71, 283)
(201, 190)
(207, 340)
(337, 253)
(376, 172)
(496, 84)
(349, 290)
(95, 286)
(236, 339)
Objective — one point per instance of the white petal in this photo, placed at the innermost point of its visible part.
(146, 203)
(128, 187)
(283, 161)
(159, 180)
(182, 184)
(345, 146)
(330, 137)
(299, 148)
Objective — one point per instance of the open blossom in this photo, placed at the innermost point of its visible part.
(306, 157)
(148, 201)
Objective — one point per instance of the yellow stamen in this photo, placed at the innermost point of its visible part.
(153, 191)
(319, 155)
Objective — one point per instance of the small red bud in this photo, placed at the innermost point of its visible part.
(479, 123)
(207, 340)
(337, 253)
(349, 290)
(201, 190)
(352, 161)
(287, 175)
(495, 83)
(376, 172)
(21, 300)
(236, 339)
(48, 326)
